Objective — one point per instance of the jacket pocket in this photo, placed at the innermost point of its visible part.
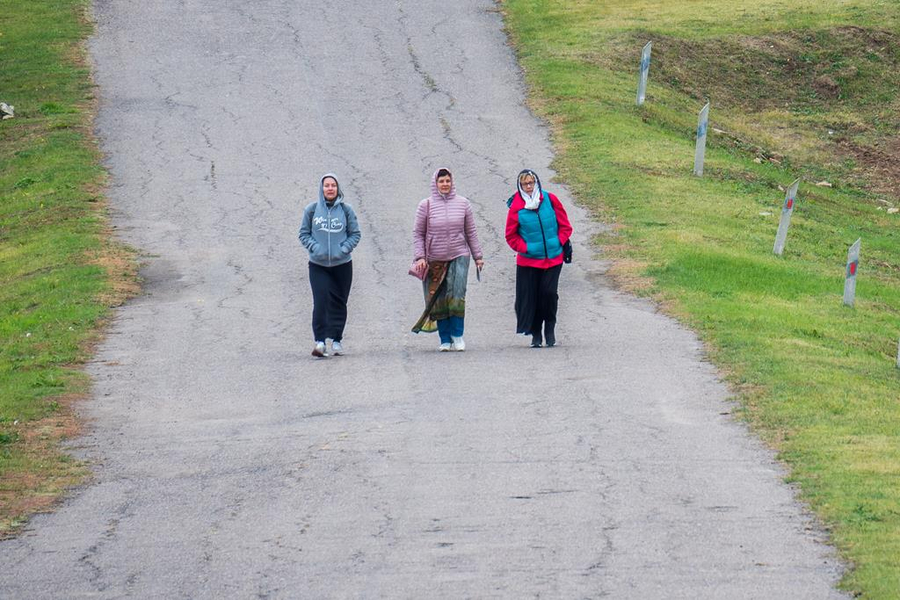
(318, 253)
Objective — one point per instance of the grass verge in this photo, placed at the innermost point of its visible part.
(59, 272)
(798, 89)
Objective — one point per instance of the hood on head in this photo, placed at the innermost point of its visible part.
(340, 195)
(435, 194)
(537, 183)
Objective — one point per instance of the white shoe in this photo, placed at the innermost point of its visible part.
(319, 350)
(458, 345)
(445, 347)
(336, 348)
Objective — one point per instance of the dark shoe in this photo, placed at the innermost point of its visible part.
(550, 336)
(536, 340)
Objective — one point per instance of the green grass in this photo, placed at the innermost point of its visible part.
(56, 267)
(798, 88)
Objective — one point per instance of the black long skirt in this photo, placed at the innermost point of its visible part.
(536, 298)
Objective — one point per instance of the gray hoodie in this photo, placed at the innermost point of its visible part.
(329, 232)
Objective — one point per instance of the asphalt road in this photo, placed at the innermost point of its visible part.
(229, 463)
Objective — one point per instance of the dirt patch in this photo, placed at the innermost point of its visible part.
(625, 273)
(879, 164)
(121, 272)
(28, 490)
(796, 69)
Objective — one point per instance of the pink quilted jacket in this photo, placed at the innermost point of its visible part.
(445, 227)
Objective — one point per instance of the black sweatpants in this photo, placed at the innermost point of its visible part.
(536, 298)
(330, 288)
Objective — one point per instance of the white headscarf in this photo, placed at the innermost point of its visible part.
(533, 201)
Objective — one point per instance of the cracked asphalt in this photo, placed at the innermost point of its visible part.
(229, 463)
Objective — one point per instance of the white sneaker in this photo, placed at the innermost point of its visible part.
(445, 347)
(458, 345)
(336, 348)
(319, 350)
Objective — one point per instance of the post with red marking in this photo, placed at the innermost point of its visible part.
(644, 74)
(787, 209)
(852, 267)
(700, 151)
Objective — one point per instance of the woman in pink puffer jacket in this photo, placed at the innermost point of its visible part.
(444, 238)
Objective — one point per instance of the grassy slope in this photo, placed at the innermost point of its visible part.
(55, 267)
(797, 93)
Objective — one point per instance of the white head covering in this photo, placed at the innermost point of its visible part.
(533, 200)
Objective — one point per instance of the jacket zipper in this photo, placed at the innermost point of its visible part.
(543, 235)
(328, 233)
(447, 220)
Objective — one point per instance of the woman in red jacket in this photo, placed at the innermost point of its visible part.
(537, 228)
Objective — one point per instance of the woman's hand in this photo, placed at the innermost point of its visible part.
(421, 263)
(479, 263)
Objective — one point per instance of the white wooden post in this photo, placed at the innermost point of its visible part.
(644, 74)
(787, 209)
(850, 278)
(700, 152)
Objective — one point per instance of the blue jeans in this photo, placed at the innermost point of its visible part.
(450, 327)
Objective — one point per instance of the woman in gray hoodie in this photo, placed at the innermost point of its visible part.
(329, 232)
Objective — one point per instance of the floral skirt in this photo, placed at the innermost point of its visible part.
(445, 293)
